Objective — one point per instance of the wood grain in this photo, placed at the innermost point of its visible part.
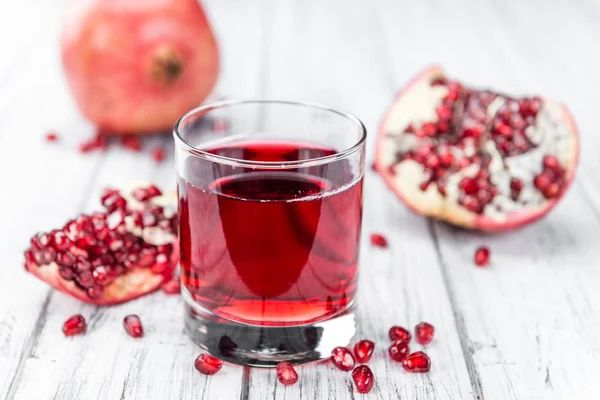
(525, 328)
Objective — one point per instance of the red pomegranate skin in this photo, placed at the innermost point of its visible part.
(134, 67)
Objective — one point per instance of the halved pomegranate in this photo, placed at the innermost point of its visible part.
(112, 256)
(476, 158)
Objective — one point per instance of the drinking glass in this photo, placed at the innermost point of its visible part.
(270, 208)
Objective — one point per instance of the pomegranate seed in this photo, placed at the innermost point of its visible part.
(444, 112)
(551, 163)
(40, 240)
(131, 143)
(286, 373)
(424, 333)
(433, 162)
(504, 130)
(429, 129)
(482, 256)
(158, 154)
(133, 326)
(374, 167)
(342, 358)
(447, 159)
(378, 240)
(74, 326)
(207, 364)
(61, 241)
(398, 350)
(551, 191)
(424, 185)
(468, 185)
(172, 286)
(66, 273)
(51, 137)
(85, 279)
(417, 362)
(363, 350)
(363, 379)
(409, 129)
(104, 275)
(95, 292)
(399, 333)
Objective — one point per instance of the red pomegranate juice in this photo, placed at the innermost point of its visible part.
(271, 247)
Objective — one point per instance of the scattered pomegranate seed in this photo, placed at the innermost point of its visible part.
(417, 362)
(374, 167)
(51, 137)
(378, 240)
(482, 256)
(424, 333)
(398, 350)
(158, 154)
(172, 286)
(74, 326)
(98, 142)
(399, 333)
(363, 379)
(363, 350)
(207, 364)
(133, 326)
(342, 358)
(286, 373)
(131, 142)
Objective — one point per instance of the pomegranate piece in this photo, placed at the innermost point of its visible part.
(105, 258)
(141, 85)
(424, 333)
(342, 358)
(417, 362)
(158, 154)
(286, 373)
(398, 350)
(363, 379)
(207, 364)
(363, 350)
(379, 240)
(475, 162)
(75, 325)
(399, 333)
(51, 137)
(482, 256)
(133, 326)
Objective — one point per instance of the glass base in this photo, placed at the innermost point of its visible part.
(266, 346)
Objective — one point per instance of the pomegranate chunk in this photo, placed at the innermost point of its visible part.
(363, 350)
(399, 333)
(286, 373)
(363, 379)
(379, 240)
(207, 364)
(424, 333)
(106, 258)
(475, 160)
(417, 362)
(75, 325)
(133, 326)
(342, 358)
(398, 350)
(482, 256)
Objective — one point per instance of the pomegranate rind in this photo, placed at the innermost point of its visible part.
(404, 179)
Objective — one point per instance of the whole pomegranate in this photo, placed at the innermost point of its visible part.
(476, 158)
(135, 66)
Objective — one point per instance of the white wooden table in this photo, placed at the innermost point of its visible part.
(528, 327)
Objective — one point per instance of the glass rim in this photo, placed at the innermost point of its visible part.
(237, 162)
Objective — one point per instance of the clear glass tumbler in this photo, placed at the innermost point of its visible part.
(270, 208)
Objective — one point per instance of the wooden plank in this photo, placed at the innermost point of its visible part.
(531, 319)
(332, 52)
(106, 363)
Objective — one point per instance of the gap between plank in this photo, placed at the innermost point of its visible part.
(458, 318)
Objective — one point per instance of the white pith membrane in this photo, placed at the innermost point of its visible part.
(136, 280)
(550, 133)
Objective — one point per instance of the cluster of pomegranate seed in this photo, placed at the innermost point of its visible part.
(476, 192)
(100, 141)
(399, 350)
(482, 256)
(551, 181)
(93, 250)
(378, 240)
